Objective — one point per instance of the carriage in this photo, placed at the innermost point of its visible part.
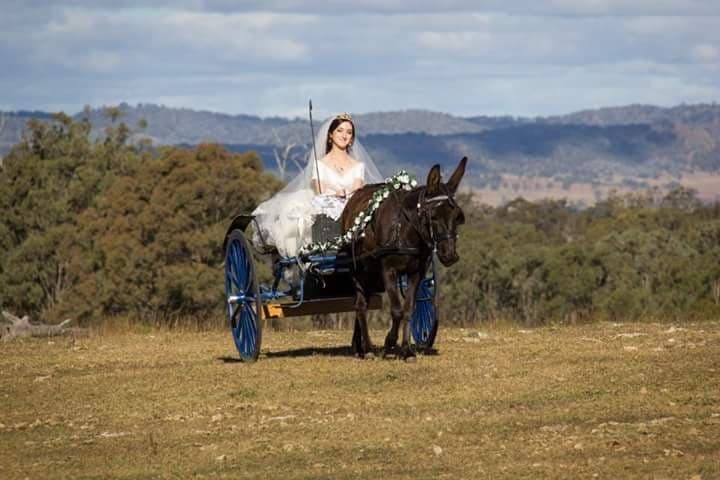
(323, 285)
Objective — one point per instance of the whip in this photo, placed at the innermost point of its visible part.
(317, 167)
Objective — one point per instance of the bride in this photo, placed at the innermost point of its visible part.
(323, 187)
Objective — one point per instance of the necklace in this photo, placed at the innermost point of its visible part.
(337, 165)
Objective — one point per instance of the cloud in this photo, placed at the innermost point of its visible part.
(515, 7)
(74, 23)
(706, 53)
(268, 57)
(261, 36)
(455, 41)
(614, 8)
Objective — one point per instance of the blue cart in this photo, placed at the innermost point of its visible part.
(323, 285)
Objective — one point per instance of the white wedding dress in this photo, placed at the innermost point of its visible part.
(286, 219)
(329, 204)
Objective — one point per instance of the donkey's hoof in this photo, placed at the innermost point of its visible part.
(411, 359)
(369, 356)
(407, 354)
(390, 351)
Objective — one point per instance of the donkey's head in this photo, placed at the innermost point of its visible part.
(440, 213)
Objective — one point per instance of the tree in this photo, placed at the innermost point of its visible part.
(42, 189)
(157, 235)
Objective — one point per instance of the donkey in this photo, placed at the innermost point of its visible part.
(405, 231)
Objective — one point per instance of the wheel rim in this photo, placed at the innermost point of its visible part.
(422, 322)
(423, 319)
(242, 315)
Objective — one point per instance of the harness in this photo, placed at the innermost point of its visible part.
(427, 235)
(424, 227)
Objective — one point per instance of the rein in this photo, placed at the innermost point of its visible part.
(424, 215)
(423, 227)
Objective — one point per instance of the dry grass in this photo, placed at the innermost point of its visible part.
(598, 401)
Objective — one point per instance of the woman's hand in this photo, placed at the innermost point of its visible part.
(341, 193)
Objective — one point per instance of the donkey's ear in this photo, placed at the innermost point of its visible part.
(433, 179)
(457, 175)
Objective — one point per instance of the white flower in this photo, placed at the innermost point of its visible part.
(357, 220)
(361, 214)
(385, 193)
(404, 178)
(396, 185)
(407, 187)
(413, 183)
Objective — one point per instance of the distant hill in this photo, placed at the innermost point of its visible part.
(700, 115)
(590, 146)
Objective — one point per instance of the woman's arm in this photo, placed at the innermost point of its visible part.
(327, 189)
(358, 183)
(360, 179)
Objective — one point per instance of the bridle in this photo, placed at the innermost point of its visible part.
(424, 213)
(421, 222)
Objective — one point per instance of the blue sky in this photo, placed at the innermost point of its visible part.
(269, 57)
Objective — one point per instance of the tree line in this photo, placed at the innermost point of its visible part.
(100, 227)
(94, 228)
(647, 256)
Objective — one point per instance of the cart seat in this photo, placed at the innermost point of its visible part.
(324, 229)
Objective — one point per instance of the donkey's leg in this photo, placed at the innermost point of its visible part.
(356, 336)
(406, 350)
(362, 346)
(396, 311)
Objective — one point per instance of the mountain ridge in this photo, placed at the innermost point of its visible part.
(593, 145)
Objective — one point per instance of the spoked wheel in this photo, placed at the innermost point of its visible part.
(242, 294)
(423, 324)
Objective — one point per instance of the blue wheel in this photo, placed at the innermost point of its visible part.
(423, 324)
(242, 297)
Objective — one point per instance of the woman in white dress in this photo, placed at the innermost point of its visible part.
(323, 186)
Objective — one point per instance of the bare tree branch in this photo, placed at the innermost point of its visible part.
(285, 153)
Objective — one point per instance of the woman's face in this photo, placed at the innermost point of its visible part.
(342, 136)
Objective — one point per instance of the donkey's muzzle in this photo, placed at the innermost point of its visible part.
(448, 260)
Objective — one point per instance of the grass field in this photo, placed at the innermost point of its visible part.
(595, 401)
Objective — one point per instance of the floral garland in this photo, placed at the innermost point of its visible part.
(401, 180)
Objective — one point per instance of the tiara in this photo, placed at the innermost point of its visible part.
(344, 116)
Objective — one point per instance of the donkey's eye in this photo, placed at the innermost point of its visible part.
(460, 218)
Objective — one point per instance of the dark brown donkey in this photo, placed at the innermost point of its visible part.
(399, 240)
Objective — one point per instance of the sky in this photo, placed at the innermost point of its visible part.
(269, 57)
